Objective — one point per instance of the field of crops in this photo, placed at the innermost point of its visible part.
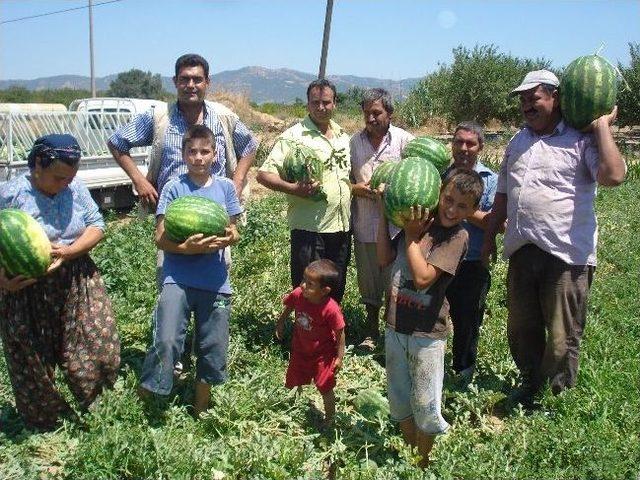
(256, 429)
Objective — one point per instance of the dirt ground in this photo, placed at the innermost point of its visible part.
(256, 191)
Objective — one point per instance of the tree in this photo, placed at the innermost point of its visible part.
(15, 94)
(136, 84)
(629, 89)
(475, 86)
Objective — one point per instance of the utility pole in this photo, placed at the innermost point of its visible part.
(93, 76)
(325, 39)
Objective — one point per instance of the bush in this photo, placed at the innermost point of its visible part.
(136, 84)
(474, 87)
(65, 96)
(629, 93)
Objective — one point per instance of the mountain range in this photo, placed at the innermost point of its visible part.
(280, 85)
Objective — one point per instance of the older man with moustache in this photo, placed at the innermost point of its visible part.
(378, 142)
(546, 189)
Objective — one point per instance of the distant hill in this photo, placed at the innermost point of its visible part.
(261, 84)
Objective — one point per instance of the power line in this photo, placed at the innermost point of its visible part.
(58, 11)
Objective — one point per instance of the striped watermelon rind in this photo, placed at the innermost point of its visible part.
(414, 182)
(25, 248)
(192, 214)
(430, 149)
(302, 164)
(370, 403)
(588, 90)
(382, 173)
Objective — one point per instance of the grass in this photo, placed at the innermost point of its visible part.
(256, 429)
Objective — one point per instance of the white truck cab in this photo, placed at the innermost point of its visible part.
(92, 121)
(113, 105)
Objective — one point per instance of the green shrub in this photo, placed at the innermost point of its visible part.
(629, 89)
(474, 87)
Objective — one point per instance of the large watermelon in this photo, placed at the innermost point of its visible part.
(431, 149)
(382, 173)
(192, 214)
(415, 181)
(370, 404)
(24, 246)
(588, 90)
(302, 164)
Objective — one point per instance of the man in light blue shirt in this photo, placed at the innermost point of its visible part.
(192, 82)
(467, 292)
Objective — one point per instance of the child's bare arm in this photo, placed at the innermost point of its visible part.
(340, 339)
(424, 274)
(280, 323)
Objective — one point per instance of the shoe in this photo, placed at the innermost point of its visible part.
(464, 377)
(525, 395)
(368, 344)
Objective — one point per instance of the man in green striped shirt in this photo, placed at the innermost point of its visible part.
(319, 228)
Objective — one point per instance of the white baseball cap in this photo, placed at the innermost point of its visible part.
(535, 78)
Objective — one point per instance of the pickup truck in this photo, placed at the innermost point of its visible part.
(91, 121)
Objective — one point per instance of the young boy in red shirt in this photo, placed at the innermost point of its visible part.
(317, 347)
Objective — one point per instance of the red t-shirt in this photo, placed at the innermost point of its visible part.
(315, 327)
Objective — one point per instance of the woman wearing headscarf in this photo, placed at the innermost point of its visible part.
(63, 319)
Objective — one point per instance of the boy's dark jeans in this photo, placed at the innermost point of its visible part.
(547, 300)
(467, 295)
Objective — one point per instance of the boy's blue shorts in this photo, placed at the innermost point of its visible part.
(415, 374)
(171, 318)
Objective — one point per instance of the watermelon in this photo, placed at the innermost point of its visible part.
(25, 248)
(431, 149)
(415, 181)
(370, 404)
(192, 214)
(301, 164)
(588, 90)
(382, 173)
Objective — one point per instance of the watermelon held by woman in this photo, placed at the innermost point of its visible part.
(301, 164)
(190, 215)
(382, 173)
(25, 248)
(588, 90)
(414, 182)
(430, 149)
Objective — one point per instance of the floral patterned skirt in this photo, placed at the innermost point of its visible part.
(64, 320)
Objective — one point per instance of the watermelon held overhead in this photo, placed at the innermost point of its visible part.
(382, 173)
(414, 182)
(25, 248)
(191, 214)
(430, 149)
(588, 90)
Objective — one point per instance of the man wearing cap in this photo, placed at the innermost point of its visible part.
(546, 188)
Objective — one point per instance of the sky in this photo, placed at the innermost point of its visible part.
(391, 39)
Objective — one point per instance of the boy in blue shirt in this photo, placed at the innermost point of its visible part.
(194, 280)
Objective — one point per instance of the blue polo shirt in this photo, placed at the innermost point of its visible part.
(207, 271)
(476, 234)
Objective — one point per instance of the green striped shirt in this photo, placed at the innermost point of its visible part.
(333, 214)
